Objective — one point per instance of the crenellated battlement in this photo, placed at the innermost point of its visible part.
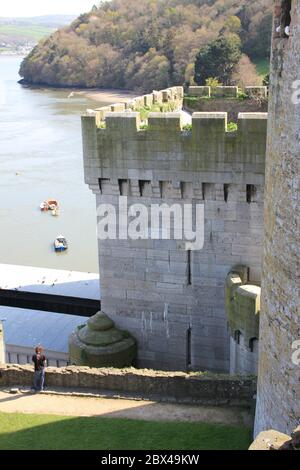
(168, 150)
(170, 99)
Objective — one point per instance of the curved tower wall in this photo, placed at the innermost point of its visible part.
(278, 400)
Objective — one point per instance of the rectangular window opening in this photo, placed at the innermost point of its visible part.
(189, 267)
(226, 192)
(251, 192)
(189, 348)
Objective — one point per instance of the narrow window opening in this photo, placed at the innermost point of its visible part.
(161, 186)
(142, 186)
(251, 191)
(189, 348)
(253, 344)
(237, 336)
(189, 268)
(226, 192)
(102, 182)
(123, 187)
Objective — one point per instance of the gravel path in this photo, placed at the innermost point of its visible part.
(48, 403)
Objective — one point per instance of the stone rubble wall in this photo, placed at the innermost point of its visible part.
(178, 386)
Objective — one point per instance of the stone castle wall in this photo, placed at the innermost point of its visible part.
(202, 389)
(278, 404)
(227, 99)
(173, 301)
(227, 91)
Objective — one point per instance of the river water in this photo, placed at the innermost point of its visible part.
(41, 158)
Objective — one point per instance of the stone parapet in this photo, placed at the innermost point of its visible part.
(199, 388)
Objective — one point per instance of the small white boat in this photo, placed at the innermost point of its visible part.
(55, 212)
(60, 243)
(49, 204)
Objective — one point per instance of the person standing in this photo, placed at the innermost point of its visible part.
(39, 361)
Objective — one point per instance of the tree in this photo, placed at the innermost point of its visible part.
(245, 73)
(218, 59)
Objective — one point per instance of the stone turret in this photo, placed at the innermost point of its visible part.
(242, 307)
(99, 344)
(278, 400)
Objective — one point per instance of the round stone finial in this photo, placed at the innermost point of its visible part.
(98, 343)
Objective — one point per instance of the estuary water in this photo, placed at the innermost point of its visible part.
(41, 158)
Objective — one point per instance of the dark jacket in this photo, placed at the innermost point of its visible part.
(39, 362)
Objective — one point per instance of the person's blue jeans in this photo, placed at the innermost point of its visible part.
(39, 379)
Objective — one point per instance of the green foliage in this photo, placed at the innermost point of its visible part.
(262, 66)
(213, 82)
(257, 40)
(187, 127)
(217, 59)
(155, 108)
(266, 80)
(232, 127)
(242, 95)
(233, 24)
(143, 45)
(24, 431)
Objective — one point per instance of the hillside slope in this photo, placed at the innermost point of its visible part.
(143, 45)
(20, 35)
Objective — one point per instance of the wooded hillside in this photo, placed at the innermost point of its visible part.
(145, 44)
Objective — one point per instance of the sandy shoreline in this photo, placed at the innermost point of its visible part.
(107, 96)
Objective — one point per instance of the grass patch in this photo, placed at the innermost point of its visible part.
(156, 108)
(30, 32)
(48, 432)
(262, 66)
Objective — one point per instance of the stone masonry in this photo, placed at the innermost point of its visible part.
(172, 300)
(203, 389)
(278, 404)
(242, 306)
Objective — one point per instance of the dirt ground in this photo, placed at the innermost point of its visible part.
(58, 404)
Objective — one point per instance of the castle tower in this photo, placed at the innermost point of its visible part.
(278, 401)
(170, 298)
